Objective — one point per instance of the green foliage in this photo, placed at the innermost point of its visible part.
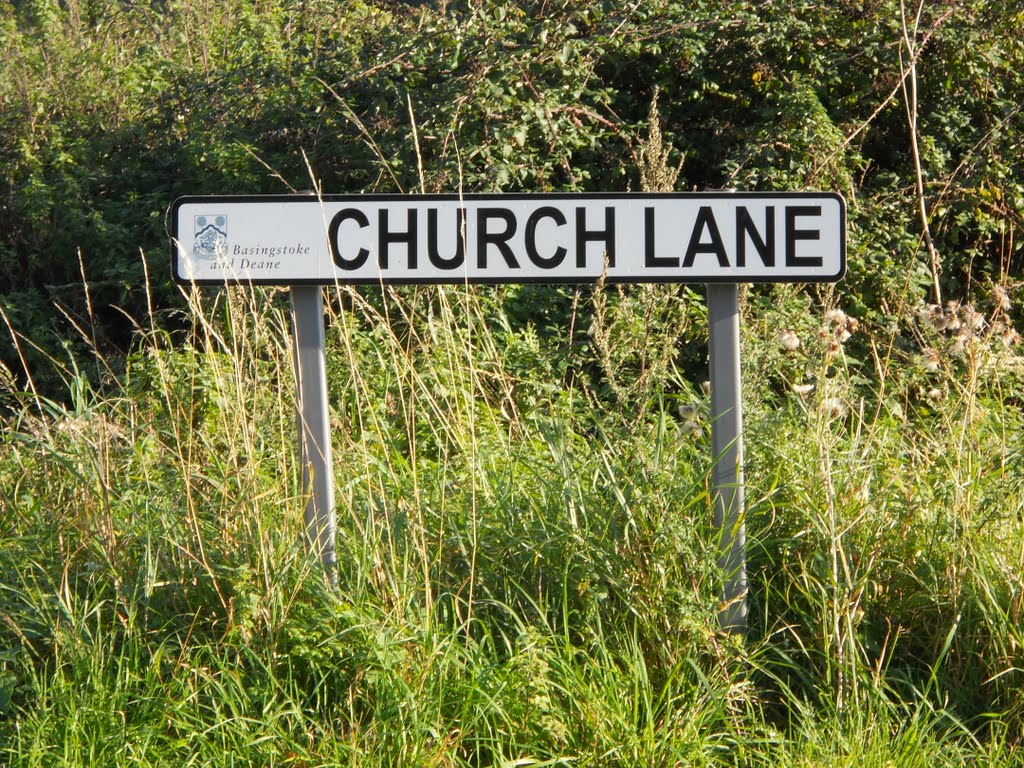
(526, 571)
(108, 112)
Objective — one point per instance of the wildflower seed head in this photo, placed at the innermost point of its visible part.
(939, 322)
(693, 429)
(959, 345)
(832, 407)
(788, 340)
(1001, 298)
(972, 319)
(836, 317)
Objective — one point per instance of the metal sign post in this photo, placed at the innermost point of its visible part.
(314, 422)
(727, 452)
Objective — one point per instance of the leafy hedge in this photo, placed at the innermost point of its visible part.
(108, 111)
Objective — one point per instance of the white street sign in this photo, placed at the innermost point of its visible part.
(721, 237)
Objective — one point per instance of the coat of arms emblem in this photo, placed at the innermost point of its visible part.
(211, 237)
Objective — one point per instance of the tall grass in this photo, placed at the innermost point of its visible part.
(525, 575)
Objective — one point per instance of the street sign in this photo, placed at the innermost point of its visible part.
(718, 237)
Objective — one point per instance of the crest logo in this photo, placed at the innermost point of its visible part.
(211, 237)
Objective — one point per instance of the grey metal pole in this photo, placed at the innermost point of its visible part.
(727, 451)
(314, 422)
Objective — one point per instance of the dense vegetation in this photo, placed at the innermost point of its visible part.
(526, 562)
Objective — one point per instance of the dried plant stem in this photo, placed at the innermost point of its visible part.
(908, 72)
